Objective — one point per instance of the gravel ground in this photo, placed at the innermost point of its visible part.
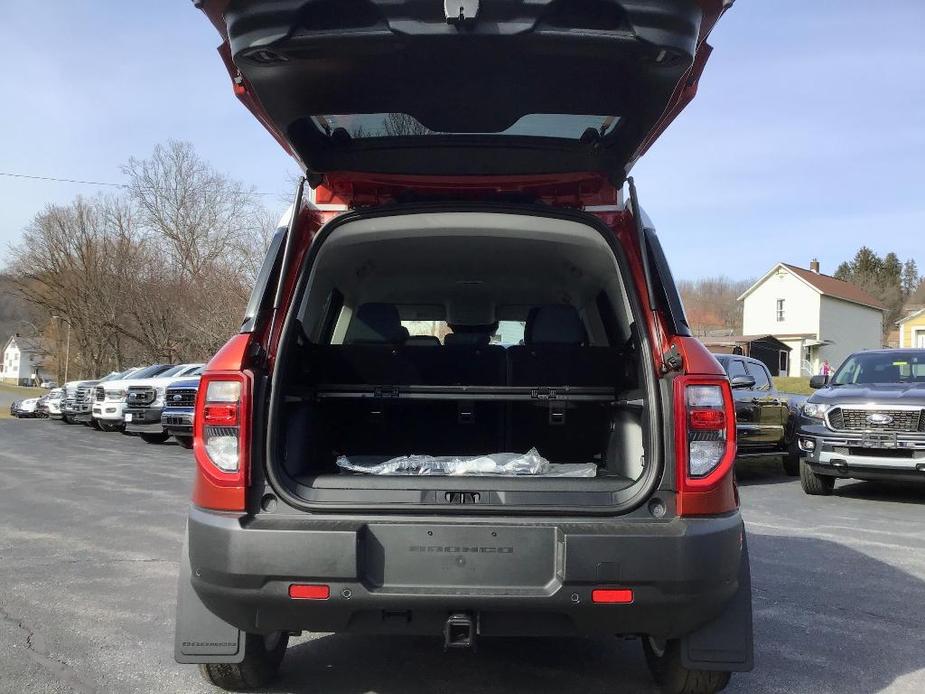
(90, 531)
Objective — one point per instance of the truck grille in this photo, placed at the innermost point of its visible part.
(180, 397)
(851, 419)
(100, 393)
(84, 395)
(139, 396)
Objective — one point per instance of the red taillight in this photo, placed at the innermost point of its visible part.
(220, 415)
(304, 591)
(708, 420)
(221, 430)
(704, 445)
(612, 596)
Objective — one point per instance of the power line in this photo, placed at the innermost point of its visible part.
(89, 183)
(63, 180)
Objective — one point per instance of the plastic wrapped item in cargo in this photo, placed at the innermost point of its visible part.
(529, 464)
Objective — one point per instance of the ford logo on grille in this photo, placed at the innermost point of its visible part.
(879, 418)
(177, 398)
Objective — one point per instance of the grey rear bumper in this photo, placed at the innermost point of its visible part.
(686, 575)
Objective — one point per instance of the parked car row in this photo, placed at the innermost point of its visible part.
(155, 402)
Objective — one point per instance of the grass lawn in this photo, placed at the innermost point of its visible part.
(793, 384)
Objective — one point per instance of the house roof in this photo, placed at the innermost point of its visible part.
(910, 316)
(25, 344)
(824, 284)
(742, 339)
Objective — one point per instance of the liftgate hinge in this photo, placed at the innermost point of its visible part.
(672, 359)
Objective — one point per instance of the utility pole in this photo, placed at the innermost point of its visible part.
(67, 348)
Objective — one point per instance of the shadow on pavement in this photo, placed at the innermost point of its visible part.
(769, 470)
(900, 492)
(349, 664)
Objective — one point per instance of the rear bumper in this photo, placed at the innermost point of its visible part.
(530, 578)
(841, 454)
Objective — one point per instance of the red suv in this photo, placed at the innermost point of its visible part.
(465, 400)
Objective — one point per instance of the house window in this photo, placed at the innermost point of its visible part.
(780, 310)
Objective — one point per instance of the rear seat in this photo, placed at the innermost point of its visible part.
(377, 352)
(556, 353)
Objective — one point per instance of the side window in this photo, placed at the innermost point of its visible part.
(780, 310)
(266, 280)
(760, 374)
(736, 367)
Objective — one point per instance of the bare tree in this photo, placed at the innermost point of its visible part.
(161, 272)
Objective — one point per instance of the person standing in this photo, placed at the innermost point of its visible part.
(826, 369)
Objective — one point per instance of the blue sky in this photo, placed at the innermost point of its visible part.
(807, 137)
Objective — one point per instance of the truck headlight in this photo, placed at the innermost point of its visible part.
(815, 410)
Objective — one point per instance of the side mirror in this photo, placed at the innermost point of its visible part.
(742, 382)
(817, 382)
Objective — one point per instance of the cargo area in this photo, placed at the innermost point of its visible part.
(462, 334)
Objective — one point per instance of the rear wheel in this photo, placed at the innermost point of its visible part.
(155, 438)
(813, 484)
(185, 441)
(109, 426)
(664, 661)
(262, 658)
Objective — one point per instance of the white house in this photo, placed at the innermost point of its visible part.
(21, 361)
(819, 317)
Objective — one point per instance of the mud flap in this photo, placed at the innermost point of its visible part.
(200, 636)
(726, 642)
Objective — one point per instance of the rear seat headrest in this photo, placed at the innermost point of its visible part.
(423, 340)
(555, 324)
(467, 339)
(376, 323)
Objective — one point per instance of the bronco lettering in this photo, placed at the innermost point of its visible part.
(454, 549)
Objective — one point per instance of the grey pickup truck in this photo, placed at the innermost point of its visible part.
(867, 422)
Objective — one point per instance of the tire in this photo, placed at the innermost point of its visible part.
(155, 438)
(185, 441)
(813, 484)
(67, 420)
(95, 423)
(262, 658)
(791, 459)
(664, 661)
(109, 426)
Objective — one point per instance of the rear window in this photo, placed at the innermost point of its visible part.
(508, 333)
(373, 125)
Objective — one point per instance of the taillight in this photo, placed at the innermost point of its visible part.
(221, 431)
(705, 445)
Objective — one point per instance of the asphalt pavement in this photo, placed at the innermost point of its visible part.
(90, 533)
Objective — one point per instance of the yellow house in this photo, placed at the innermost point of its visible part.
(912, 330)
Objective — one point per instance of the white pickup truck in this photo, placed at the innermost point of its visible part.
(145, 401)
(109, 400)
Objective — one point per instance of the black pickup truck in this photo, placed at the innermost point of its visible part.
(764, 416)
(867, 423)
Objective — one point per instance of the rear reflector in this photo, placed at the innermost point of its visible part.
(612, 596)
(303, 591)
(708, 420)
